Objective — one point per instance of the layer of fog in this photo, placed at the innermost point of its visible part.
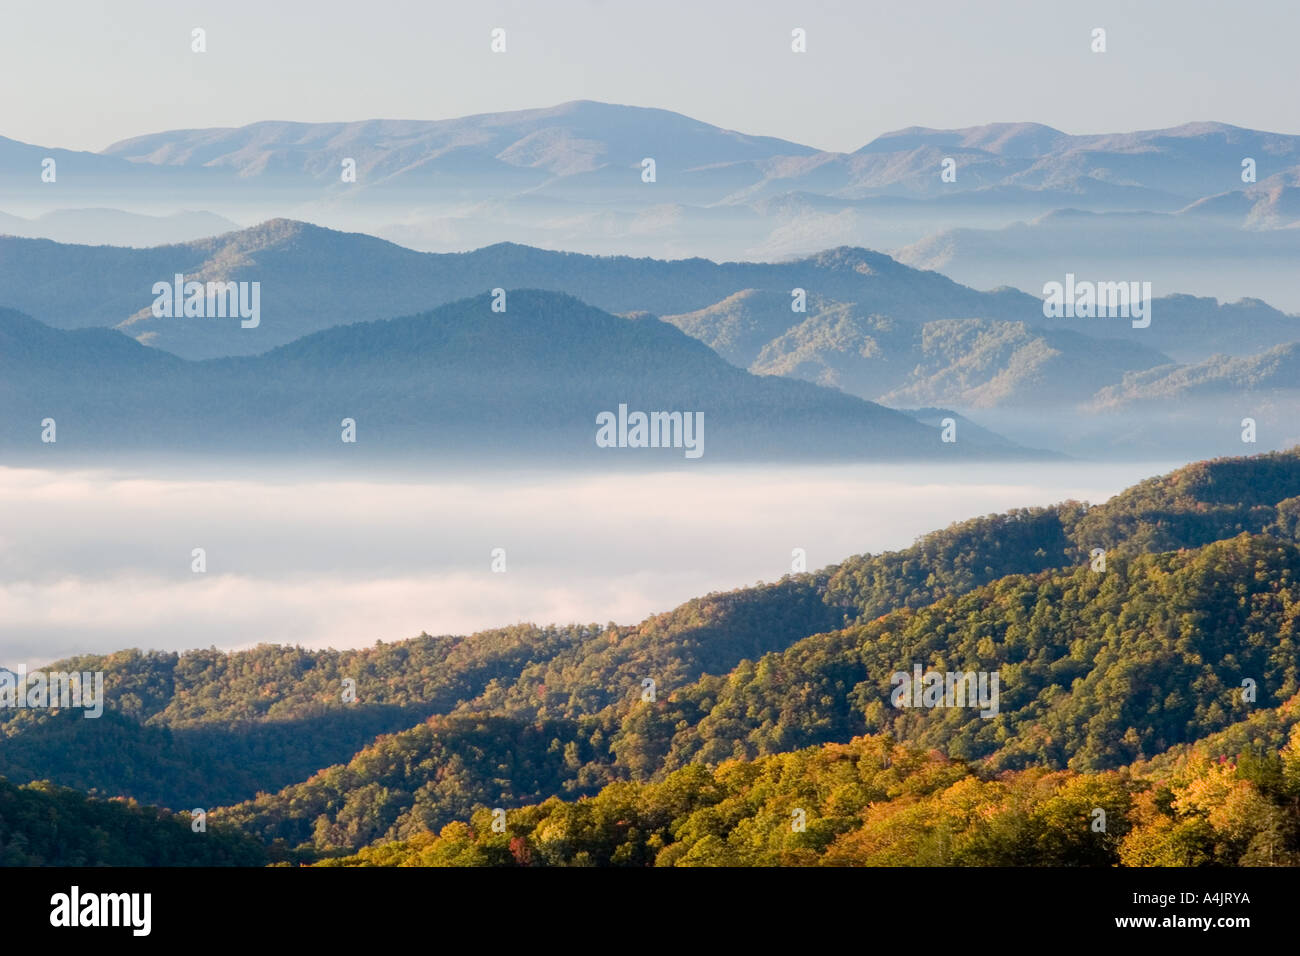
(94, 561)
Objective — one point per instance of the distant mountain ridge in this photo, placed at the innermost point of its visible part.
(969, 362)
(583, 139)
(1219, 377)
(299, 267)
(1242, 244)
(872, 327)
(113, 227)
(528, 147)
(461, 384)
(574, 176)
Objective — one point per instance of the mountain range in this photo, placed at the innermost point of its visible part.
(847, 319)
(570, 176)
(585, 148)
(298, 267)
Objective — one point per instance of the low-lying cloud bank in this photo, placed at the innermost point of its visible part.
(99, 561)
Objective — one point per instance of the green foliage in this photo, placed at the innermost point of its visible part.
(955, 561)
(1095, 669)
(425, 777)
(221, 727)
(1203, 502)
(872, 803)
(45, 825)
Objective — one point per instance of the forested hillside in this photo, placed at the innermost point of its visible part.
(1131, 668)
(231, 725)
(1096, 670)
(44, 825)
(870, 802)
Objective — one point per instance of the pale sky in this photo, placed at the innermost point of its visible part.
(81, 74)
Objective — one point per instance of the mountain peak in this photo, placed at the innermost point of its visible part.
(1017, 139)
(854, 258)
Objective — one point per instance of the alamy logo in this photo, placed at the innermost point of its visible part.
(953, 689)
(212, 300)
(53, 689)
(1086, 300)
(653, 430)
(103, 909)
